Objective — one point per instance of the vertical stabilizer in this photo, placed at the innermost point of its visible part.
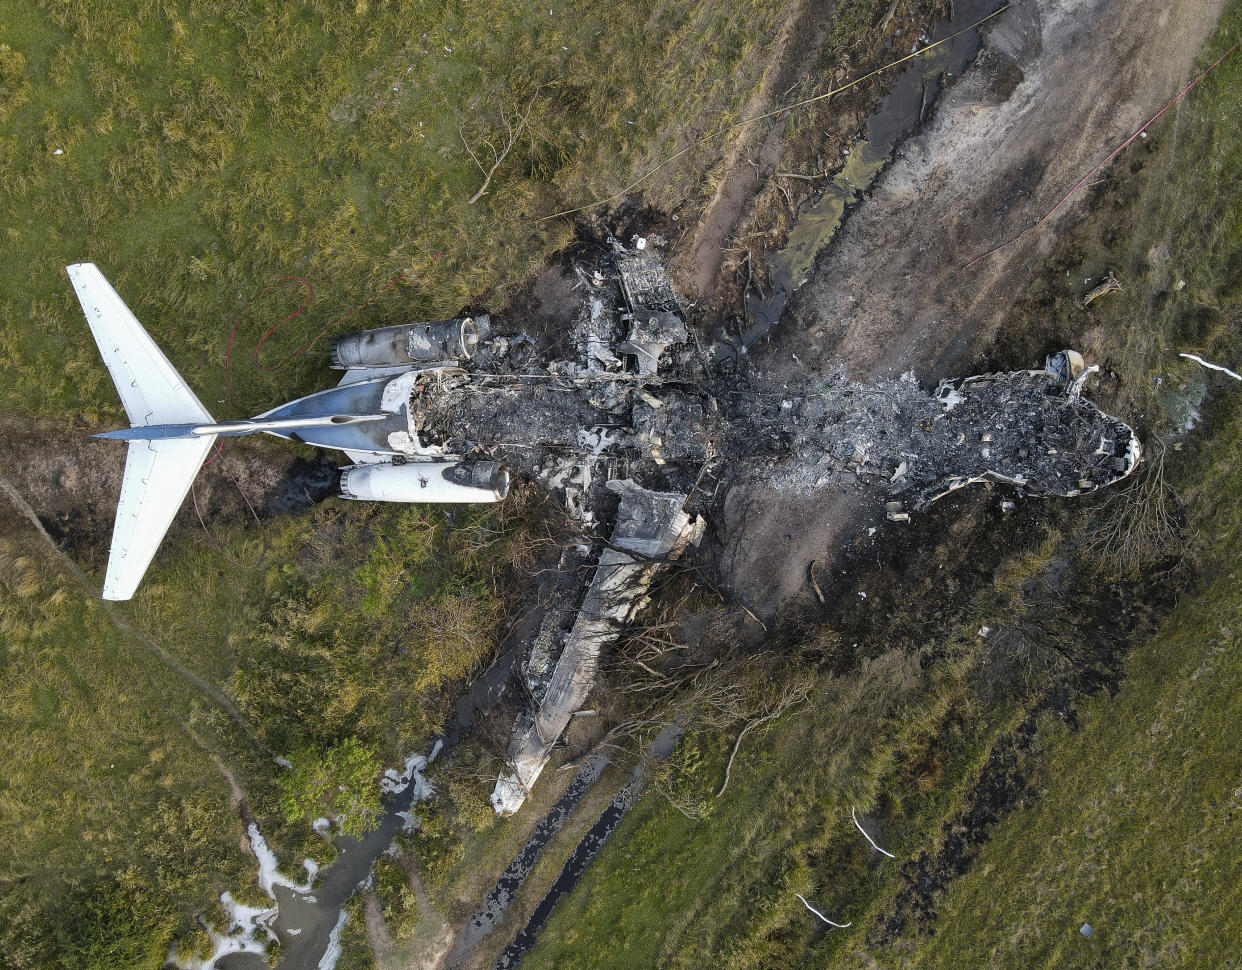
(158, 473)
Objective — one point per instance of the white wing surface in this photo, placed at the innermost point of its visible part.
(158, 472)
(157, 476)
(151, 389)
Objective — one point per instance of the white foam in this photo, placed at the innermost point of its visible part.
(395, 784)
(333, 952)
(250, 927)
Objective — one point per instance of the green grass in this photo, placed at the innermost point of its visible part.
(358, 624)
(1139, 817)
(208, 151)
(107, 797)
(898, 735)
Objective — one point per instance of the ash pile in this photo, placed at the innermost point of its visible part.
(1031, 430)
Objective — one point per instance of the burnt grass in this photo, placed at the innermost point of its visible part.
(921, 582)
(922, 579)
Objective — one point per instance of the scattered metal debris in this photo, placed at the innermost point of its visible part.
(651, 528)
(874, 845)
(1224, 370)
(633, 425)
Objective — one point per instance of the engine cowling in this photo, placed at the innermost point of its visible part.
(411, 343)
(432, 482)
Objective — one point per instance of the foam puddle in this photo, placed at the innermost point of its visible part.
(250, 927)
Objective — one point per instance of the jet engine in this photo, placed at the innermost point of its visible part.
(431, 482)
(411, 343)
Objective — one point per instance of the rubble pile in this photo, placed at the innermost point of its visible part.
(651, 527)
(1031, 430)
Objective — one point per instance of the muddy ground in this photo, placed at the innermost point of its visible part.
(1057, 85)
(73, 482)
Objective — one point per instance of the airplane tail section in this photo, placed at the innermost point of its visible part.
(158, 472)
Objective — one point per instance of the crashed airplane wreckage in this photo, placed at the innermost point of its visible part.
(633, 423)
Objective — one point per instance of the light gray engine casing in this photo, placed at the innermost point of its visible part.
(432, 482)
(411, 343)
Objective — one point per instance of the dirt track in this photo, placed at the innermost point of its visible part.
(891, 294)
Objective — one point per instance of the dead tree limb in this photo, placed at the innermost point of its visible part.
(794, 697)
(513, 131)
(1110, 285)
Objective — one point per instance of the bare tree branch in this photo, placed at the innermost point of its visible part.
(512, 132)
(794, 697)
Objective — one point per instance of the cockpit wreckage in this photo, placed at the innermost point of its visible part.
(633, 422)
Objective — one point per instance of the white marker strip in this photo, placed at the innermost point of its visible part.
(839, 926)
(1223, 370)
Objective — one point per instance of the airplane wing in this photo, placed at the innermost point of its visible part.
(157, 476)
(151, 389)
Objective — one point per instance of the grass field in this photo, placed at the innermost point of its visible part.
(199, 152)
(1139, 816)
(1129, 822)
(355, 629)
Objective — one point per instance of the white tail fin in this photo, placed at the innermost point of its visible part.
(158, 473)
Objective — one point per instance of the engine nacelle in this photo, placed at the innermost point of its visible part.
(411, 343)
(432, 482)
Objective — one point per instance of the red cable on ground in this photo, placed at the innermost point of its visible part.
(1113, 154)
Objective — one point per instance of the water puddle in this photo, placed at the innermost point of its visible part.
(913, 93)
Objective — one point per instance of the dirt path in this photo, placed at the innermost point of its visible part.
(698, 266)
(1057, 84)
(123, 626)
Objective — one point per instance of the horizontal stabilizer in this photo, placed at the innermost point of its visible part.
(157, 476)
(161, 465)
(151, 390)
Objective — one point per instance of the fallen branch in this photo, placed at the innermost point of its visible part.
(1108, 286)
(815, 586)
(1224, 370)
(737, 744)
(793, 698)
(513, 132)
(839, 926)
(858, 825)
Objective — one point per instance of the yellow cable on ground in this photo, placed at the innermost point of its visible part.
(772, 114)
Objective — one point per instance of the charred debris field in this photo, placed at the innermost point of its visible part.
(1028, 703)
